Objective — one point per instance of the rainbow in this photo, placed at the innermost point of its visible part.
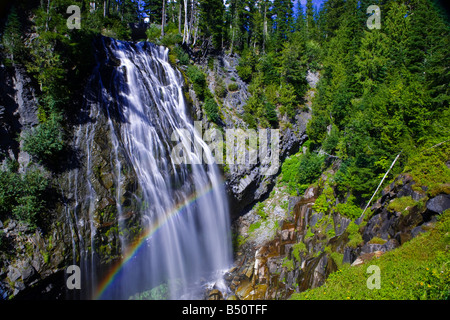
(133, 248)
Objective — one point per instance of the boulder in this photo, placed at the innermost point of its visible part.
(366, 257)
(439, 204)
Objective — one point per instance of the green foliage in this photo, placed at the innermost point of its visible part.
(233, 86)
(211, 21)
(354, 236)
(23, 195)
(428, 168)
(288, 264)
(300, 170)
(419, 269)
(374, 90)
(377, 240)
(181, 55)
(321, 204)
(298, 249)
(260, 211)
(12, 38)
(220, 89)
(254, 226)
(349, 210)
(309, 233)
(402, 204)
(198, 79)
(211, 109)
(337, 258)
(45, 141)
(160, 292)
(153, 33)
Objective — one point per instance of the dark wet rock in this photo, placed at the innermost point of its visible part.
(316, 271)
(350, 255)
(439, 204)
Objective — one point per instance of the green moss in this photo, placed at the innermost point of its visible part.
(309, 233)
(260, 211)
(288, 264)
(337, 258)
(354, 235)
(254, 226)
(376, 240)
(402, 204)
(298, 249)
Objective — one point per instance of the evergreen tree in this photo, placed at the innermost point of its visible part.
(211, 21)
(153, 8)
(310, 23)
(300, 22)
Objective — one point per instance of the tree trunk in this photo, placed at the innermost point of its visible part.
(106, 8)
(264, 27)
(163, 18)
(179, 17)
(186, 25)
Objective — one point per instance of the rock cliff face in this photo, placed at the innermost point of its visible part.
(28, 258)
(18, 111)
(300, 250)
(246, 183)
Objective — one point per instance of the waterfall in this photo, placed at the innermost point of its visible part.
(183, 212)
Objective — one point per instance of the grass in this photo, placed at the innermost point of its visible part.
(420, 269)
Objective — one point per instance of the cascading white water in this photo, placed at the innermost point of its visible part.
(184, 205)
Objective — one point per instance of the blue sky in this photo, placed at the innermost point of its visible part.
(316, 4)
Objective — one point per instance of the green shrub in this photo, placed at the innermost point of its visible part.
(198, 79)
(321, 204)
(244, 72)
(45, 141)
(428, 168)
(182, 56)
(297, 249)
(349, 210)
(153, 33)
(233, 87)
(220, 89)
(12, 37)
(170, 40)
(288, 264)
(23, 195)
(260, 211)
(211, 109)
(354, 237)
(300, 170)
